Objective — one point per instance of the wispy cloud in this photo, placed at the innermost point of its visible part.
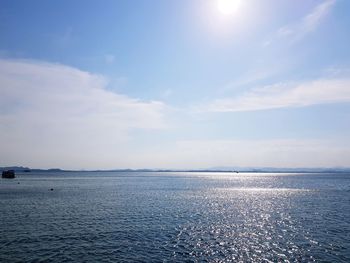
(298, 30)
(287, 95)
(254, 76)
(60, 116)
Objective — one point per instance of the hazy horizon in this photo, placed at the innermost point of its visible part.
(204, 169)
(175, 84)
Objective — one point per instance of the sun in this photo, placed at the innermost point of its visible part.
(228, 7)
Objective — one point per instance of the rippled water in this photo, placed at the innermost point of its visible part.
(182, 217)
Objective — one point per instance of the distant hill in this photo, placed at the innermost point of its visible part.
(213, 169)
(22, 169)
(15, 168)
(284, 170)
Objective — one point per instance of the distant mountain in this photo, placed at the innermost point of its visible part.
(213, 169)
(283, 170)
(15, 168)
(27, 170)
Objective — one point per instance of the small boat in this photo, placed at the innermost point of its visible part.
(8, 174)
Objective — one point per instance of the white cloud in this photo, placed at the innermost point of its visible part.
(287, 95)
(296, 31)
(55, 115)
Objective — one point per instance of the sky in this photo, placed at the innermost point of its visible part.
(174, 84)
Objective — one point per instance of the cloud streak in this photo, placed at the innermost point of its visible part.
(284, 95)
(298, 30)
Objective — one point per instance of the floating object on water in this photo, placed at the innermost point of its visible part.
(8, 174)
(51, 189)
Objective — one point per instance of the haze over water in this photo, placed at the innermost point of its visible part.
(182, 217)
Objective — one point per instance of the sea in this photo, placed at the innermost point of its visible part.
(175, 217)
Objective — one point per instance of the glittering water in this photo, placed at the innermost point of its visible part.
(182, 217)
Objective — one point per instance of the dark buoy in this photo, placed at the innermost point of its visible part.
(51, 189)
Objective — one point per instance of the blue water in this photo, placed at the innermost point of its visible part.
(175, 217)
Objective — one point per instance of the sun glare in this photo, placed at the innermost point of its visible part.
(228, 7)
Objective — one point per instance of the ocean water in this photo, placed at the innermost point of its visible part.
(175, 217)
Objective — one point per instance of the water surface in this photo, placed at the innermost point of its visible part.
(168, 217)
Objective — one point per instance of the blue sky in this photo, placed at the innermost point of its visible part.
(174, 84)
